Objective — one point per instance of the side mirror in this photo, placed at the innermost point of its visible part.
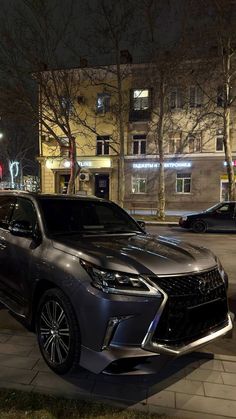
(141, 224)
(21, 228)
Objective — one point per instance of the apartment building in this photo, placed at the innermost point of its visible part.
(195, 171)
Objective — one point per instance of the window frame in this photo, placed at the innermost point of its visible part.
(141, 99)
(184, 177)
(103, 142)
(140, 140)
(197, 97)
(135, 180)
(197, 143)
(219, 137)
(106, 103)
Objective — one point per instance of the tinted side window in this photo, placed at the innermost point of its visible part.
(6, 207)
(24, 211)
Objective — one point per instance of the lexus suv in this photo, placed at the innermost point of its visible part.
(101, 292)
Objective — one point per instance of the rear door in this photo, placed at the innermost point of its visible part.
(223, 218)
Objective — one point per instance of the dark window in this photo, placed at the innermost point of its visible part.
(6, 207)
(24, 211)
(219, 142)
(66, 104)
(103, 145)
(103, 102)
(194, 144)
(220, 96)
(176, 100)
(139, 144)
(195, 97)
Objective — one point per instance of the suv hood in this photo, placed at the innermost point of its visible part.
(144, 253)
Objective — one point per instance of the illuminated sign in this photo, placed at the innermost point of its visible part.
(233, 163)
(167, 165)
(84, 163)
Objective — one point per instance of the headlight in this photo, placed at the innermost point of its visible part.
(184, 218)
(223, 274)
(119, 282)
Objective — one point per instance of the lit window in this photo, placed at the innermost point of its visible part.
(183, 182)
(139, 185)
(141, 100)
(195, 97)
(103, 102)
(103, 144)
(139, 144)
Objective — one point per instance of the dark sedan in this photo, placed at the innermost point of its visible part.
(221, 216)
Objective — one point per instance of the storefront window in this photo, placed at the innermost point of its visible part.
(183, 182)
(139, 185)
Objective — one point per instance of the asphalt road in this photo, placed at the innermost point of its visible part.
(224, 246)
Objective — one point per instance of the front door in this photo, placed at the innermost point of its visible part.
(102, 186)
(63, 183)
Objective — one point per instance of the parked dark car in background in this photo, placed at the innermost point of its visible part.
(221, 216)
(98, 290)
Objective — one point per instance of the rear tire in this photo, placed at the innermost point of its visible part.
(199, 226)
(58, 332)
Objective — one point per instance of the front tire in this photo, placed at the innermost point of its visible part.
(199, 226)
(58, 332)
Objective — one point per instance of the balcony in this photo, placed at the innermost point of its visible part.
(139, 115)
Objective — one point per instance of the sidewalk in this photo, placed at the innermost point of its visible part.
(201, 385)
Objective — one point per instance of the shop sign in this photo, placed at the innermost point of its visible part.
(167, 165)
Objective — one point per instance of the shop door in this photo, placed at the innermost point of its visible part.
(63, 183)
(102, 186)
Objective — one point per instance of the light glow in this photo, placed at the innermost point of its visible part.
(167, 165)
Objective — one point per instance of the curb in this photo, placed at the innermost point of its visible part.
(161, 223)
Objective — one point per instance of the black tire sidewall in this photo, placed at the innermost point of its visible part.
(72, 359)
(199, 223)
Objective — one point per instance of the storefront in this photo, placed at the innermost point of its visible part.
(190, 183)
(96, 176)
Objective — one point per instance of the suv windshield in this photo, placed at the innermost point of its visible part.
(66, 216)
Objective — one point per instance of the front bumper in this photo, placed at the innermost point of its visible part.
(102, 361)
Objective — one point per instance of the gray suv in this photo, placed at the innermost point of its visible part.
(98, 290)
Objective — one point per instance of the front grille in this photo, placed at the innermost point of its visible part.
(196, 304)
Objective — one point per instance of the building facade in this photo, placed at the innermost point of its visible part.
(195, 171)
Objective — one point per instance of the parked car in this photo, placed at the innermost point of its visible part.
(98, 290)
(221, 216)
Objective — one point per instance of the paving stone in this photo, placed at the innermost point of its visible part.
(204, 375)
(220, 391)
(35, 352)
(23, 340)
(15, 386)
(163, 398)
(225, 357)
(179, 413)
(212, 364)
(129, 392)
(188, 387)
(49, 380)
(206, 405)
(229, 366)
(16, 375)
(8, 348)
(229, 378)
(16, 361)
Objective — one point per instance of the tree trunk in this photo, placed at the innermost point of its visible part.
(228, 155)
(121, 163)
(73, 166)
(161, 179)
